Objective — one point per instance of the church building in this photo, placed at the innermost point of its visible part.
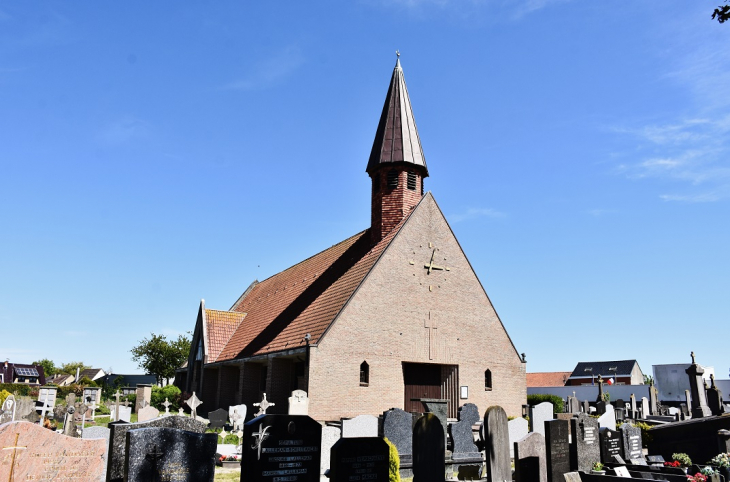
(385, 318)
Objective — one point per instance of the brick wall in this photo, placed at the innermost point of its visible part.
(209, 393)
(390, 205)
(391, 319)
(250, 386)
(281, 371)
(228, 392)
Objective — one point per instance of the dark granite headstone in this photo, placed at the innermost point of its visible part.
(696, 384)
(281, 448)
(611, 444)
(557, 449)
(639, 461)
(118, 437)
(683, 409)
(168, 454)
(359, 459)
(631, 441)
(617, 459)
(530, 459)
(218, 418)
(585, 449)
(495, 435)
(586, 407)
(714, 399)
(600, 407)
(462, 435)
(655, 459)
(398, 429)
(428, 450)
(573, 405)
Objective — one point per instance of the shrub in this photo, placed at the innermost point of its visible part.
(17, 389)
(540, 397)
(171, 392)
(230, 439)
(3, 395)
(393, 462)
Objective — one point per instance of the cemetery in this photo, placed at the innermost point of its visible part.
(555, 440)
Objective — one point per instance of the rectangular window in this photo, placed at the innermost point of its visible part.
(412, 181)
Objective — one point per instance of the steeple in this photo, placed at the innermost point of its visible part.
(396, 140)
(397, 165)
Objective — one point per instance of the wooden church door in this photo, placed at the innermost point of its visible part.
(430, 380)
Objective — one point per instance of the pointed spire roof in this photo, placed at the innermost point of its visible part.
(396, 140)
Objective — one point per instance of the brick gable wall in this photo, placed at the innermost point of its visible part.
(385, 324)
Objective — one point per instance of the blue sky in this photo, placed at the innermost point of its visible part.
(154, 154)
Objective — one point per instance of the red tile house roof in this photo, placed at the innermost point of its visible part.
(305, 298)
(221, 325)
(547, 379)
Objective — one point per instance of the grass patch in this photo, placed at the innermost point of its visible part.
(233, 476)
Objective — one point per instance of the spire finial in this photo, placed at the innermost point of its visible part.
(397, 52)
(397, 62)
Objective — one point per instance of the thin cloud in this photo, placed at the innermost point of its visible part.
(123, 130)
(473, 213)
(271, 71)
(597, 213)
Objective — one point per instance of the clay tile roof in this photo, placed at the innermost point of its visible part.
(305, 298)
(547, 379)
(396, 139)
(221, 325)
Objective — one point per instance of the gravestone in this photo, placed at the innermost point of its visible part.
(573, 405)
(7, 412)
(467, 457)
(653, 401)
(125, 413)
(92, 398)
(117, 439)
(530, 459)
(96, 433)
(360, 426)
(557, 461)
(147, 413)
(281, 448)
(298, 403)
(572, 477)
(359, 459)
(330, 436)
(608, 419)
(618, 414)
(714, 398)
(263, 406)
(687, 403)
(194, 402)
(655, 459)
(167, 454)
(611, 444)
(539, 414)
(632, 411)
(428, 450)
(31, 452)
(495, 434)
(600, 407)
(586, 406)
(25, 409)
(47, 395)
(237, 415)
(398, 429)
(585, 449)
(218, 418)
(622, 472)
(684, 410)
(644, 407)
(631, 439)
(518, 428)
(144, 396)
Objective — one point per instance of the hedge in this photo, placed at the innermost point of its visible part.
(541, 397)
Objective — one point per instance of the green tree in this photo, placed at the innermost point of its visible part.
(49, 368)
(70, 367)
(721, 13)
(161, 357)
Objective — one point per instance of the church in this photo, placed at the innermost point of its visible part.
(386, 318)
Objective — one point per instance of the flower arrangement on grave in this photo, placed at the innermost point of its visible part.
(673, 463)
(699, 477)
(683, 459)
(708, 471)
(721, 460)
(597, 467)
(229, 458)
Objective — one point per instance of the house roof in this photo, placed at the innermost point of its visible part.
(14, 370)
(61, 379)
(303, 299)
(547, 379)
(221, 325)
(396, 139)
(620, 368)
(129, 380)
(90, 373)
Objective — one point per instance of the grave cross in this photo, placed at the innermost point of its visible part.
(116, 413)
(167, 404)
(261, 435)
(155, 455)
(693, 357)
(263, 406)
(44, 410)
(15, 449)
(430, 325)
(194, 402)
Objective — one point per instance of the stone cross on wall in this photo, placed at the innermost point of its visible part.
(167, 404)
(430, 325)
(194, 402)
(263, 406)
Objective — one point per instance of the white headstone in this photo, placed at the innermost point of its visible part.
(298, 403)
(644, 407)
(237, 415)
(147, 413)
(330, 435)
(125, 414)
(360, 426)
(518, 428)
(539, 414)
(608, 419)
